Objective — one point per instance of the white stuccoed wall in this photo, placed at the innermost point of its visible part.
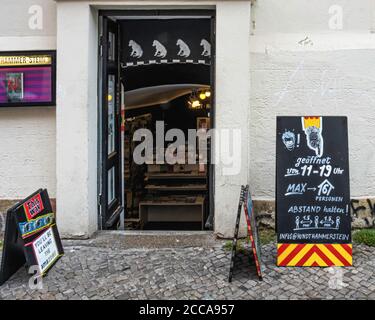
(334, 74)
(27, 135)
(232, 93)
(77, 105)
(76, 130)
(27, 156)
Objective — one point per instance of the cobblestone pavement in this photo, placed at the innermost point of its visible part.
(105, 269)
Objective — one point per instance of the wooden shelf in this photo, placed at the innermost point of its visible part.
(132, 220)
(192, 187)
(174, 202)
(175, 175)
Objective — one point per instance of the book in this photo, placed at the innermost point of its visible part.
(14, 86)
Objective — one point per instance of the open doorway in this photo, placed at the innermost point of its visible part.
(156, 74)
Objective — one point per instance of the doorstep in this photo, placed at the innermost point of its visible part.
(148, 239)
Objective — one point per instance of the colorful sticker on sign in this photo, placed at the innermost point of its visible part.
(45, 250)
(31, 227)
(33, 207)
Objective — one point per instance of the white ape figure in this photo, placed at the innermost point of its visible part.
(137, 51)
(206, 48)
(184, 49)
(161, 51)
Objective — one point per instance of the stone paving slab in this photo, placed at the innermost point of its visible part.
(93, 269)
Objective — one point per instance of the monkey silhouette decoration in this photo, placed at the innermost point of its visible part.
(136, 49)
(153, 43)
(206, 48)
(184, 49)
(160, 50)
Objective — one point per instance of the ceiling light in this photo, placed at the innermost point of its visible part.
(195, 104)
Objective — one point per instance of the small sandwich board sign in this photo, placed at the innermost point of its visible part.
(312, 192)
(246, 201)
(252, 231)
(31, 236)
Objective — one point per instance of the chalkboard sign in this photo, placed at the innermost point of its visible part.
(312, 192)
(31, 236)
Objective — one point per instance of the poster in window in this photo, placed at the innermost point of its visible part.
(14, 86)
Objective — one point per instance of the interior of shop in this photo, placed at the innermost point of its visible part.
(178, 92)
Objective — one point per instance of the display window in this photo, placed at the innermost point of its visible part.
(27, 78)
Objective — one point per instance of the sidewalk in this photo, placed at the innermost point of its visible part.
(186, 266)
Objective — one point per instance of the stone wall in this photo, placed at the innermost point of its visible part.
(363, 212)
(28, 135)
(4, 205)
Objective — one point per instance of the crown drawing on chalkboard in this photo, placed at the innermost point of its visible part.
(311, 122)
(313, 127)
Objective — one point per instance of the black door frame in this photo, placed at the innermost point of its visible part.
(108, 211)
(211, 13)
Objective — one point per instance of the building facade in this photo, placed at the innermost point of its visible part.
(272, 58)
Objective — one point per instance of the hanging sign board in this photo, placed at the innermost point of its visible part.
(31, 236)
(312, 192)
(27, 78)
(164, 41)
